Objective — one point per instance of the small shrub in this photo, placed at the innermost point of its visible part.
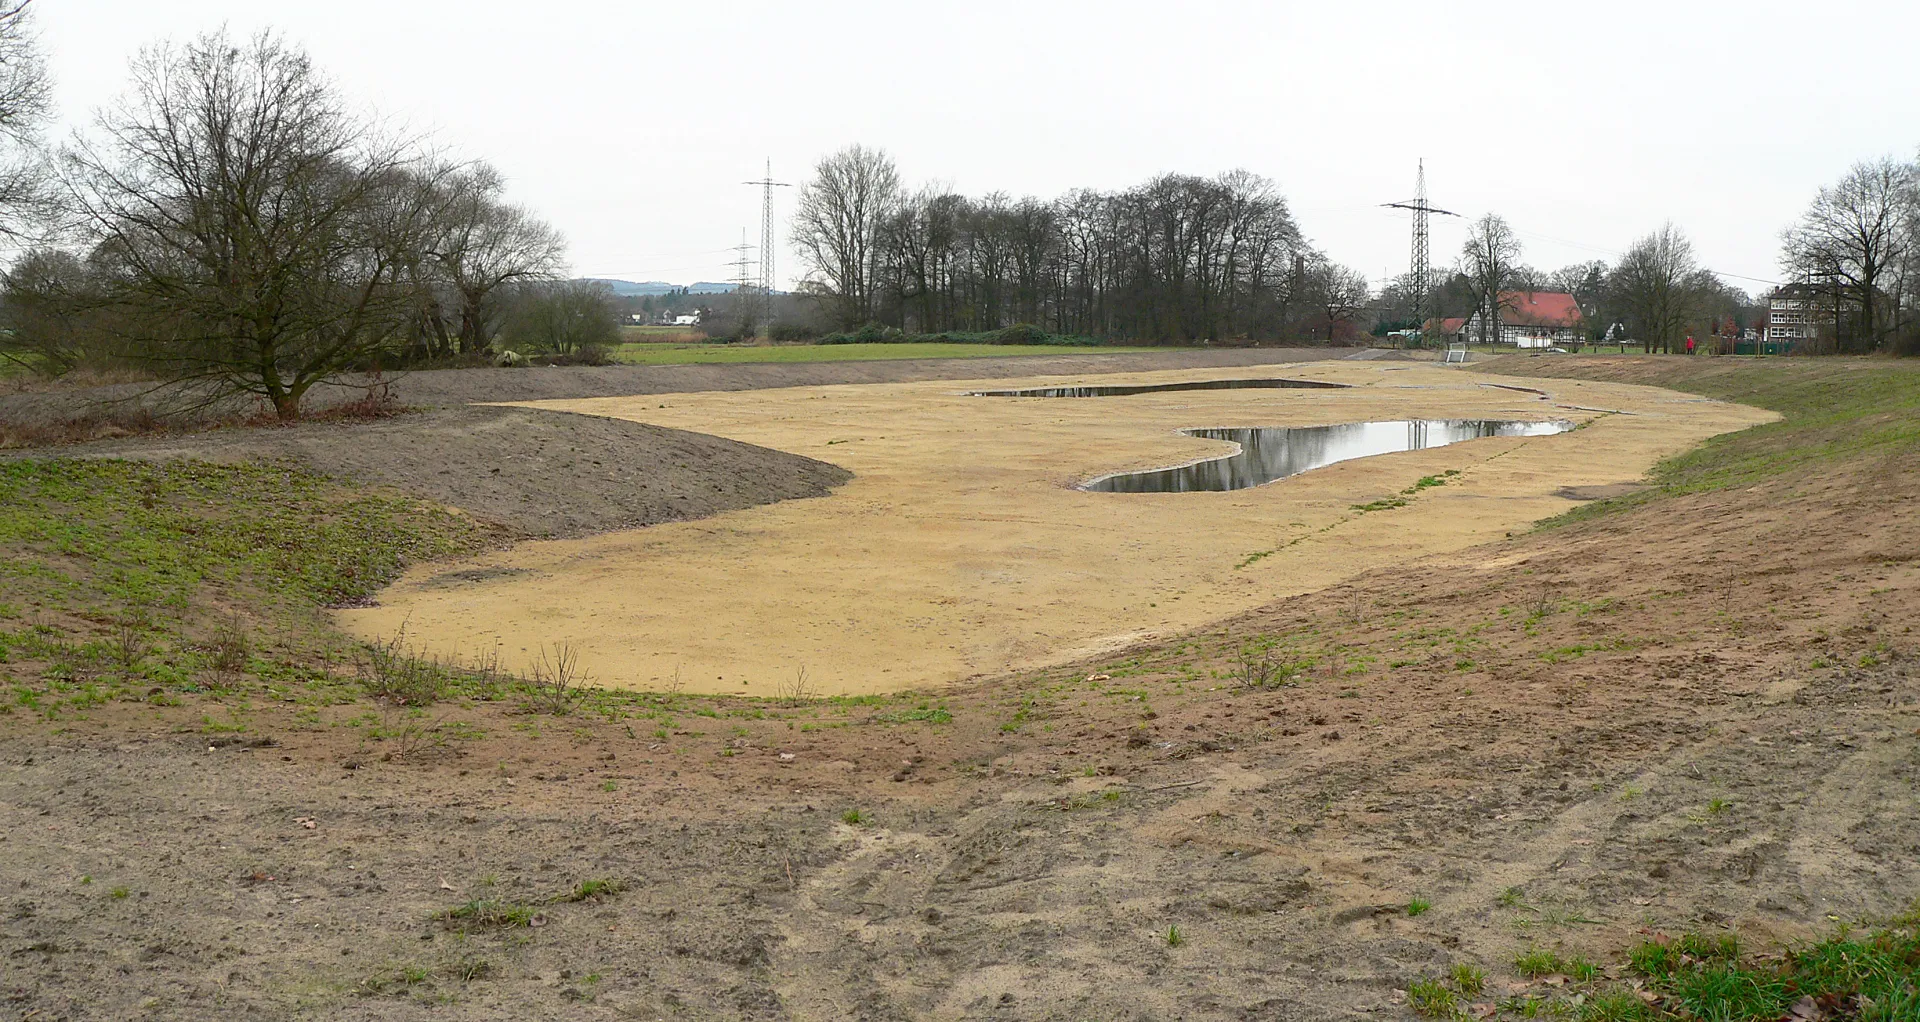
(800, 689)
(392, 671)
(131, 642)
(1021, 333)
(591, 355)
(789, 333)
(230, 645)
(557, 684)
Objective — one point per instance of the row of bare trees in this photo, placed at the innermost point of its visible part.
(232, 222)
(1179, 258)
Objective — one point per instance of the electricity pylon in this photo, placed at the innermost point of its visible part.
(1421, 271)
(767, 185)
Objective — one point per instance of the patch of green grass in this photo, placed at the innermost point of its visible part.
(922, 714)
(489, 914)
(139, 534)
(855, 818)
(1174, 937)
(593, 890)
(1468, 979)
(1418, 906)
(1432, 998)
(707, 354)
(1873, 976)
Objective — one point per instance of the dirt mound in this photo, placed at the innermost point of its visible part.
(538, 473)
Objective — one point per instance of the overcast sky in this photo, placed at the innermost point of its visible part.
(630, 125)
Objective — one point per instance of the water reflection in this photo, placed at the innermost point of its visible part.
(1155, 388)
(1269, 454)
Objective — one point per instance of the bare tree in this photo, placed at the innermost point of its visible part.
(258, 235)
(1337, 292)
(1851, 241)
(478, 245)
(1657, 285)
(1488, 262)
(25, 100)
(836, 227)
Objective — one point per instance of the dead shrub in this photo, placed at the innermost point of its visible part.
(230, 644)
(393, 671)
(556, 684)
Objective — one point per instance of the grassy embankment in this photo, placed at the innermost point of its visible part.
(1833, 410)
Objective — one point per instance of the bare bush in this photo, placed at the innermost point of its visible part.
(231, 645)
(132, 641)
(800, 688)
(557, 685)
(1256, 669)
(412, 736)
(393, 671)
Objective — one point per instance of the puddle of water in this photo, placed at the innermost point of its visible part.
(1155, 388)
(1270, 454)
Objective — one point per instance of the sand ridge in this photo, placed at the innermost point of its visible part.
(960, 547)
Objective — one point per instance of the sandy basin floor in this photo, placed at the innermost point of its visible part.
(961, 548)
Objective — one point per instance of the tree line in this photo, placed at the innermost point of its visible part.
(1179, 258)
(231, 221)
(1655, 295)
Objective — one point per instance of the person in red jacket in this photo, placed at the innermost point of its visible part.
(1689, 344)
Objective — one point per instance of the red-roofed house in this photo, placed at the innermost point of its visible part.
(1450, 330)
(1534, 319)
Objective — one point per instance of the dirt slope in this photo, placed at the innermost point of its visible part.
(537, 473)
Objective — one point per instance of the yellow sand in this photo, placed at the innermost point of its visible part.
(961, 548)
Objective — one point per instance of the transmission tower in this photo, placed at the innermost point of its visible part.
(1421, 271)
(743, 285)
(767, 185)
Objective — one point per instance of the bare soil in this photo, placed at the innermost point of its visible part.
(1700, 712)
(536, 473)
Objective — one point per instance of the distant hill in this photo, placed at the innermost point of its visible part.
(631, 289)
